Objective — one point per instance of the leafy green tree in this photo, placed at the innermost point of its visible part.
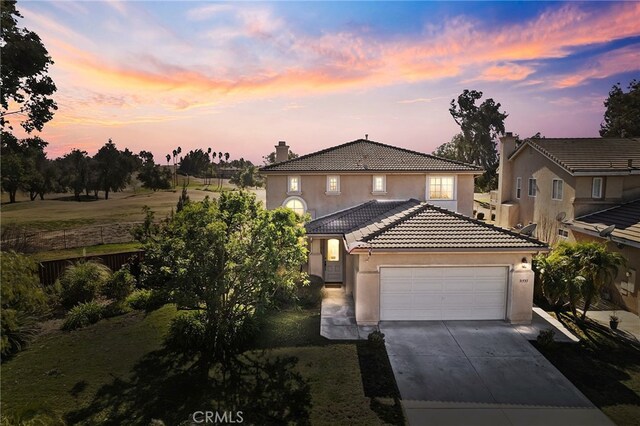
(152, 175)
(560, 286)
(195, 163)
(598, 266)
(22, 163)
(24, 301)
(26, 87)
(225, 259)
(75, 171)
(114, 168)
(622, 116)
(476, 144)
(247, 177)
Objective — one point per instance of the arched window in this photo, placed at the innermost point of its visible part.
(296, 204)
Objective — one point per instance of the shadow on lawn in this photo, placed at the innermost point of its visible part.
(600, 364)
(170, 388)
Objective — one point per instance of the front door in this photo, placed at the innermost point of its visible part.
(333, 262)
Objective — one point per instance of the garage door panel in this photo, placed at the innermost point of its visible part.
(443, 293)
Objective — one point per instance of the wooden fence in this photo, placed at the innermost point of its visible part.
(50, 270)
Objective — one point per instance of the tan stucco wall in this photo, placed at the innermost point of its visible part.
(357, 188)
(576, 200)
(367, 286)
(631, 301)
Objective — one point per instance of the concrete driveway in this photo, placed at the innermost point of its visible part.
(477, 373)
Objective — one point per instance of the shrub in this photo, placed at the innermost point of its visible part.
(545, 338)
(120, 285)
(145, 299)
(83, 315)
(480, 216)
(24, 301)
(493, 217)
(187, 332)
(376, 338)
(81, 282)
(310, 295)
(116, 309)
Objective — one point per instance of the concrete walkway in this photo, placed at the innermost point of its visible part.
(480, 373)
(629, 325)
(338, 317)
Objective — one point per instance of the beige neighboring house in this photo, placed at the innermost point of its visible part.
(576, 189)
(392, 227)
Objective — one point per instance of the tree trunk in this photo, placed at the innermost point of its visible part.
(106, 194)
(12, 195)
(33, 195)
(41, 195)
(587, 305)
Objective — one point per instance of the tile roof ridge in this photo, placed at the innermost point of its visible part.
(333, 148)
(410, 212)
(340, 213)
(302, 157)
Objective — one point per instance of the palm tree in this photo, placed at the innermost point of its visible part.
(220, 169)
(175, 177)
(598, 266)
(208, 175)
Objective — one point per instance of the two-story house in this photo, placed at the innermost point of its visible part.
(574, 189)
(393, 227)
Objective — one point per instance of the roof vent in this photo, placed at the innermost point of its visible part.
(366, 136)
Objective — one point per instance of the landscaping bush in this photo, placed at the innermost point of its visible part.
(82, 315)
(545, 338)
(146, 300)
(480, 216)
(187, 332)
(310, 295)
(82, 282)
(24, 301)
(116, 309)
(120, 285)
(376, 338)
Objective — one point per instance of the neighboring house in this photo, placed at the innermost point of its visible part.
(400, 248)
(574, 188)
(624, 239)
(340, 177)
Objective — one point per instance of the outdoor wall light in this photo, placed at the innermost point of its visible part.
(524, 263)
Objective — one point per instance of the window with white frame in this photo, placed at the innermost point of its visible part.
(294, 185)
(441, 187)
(563, 233)
(333, 184)
(532, 187)
(379, 183)
(518, 187)
(296, 204)
(557, 187)
(596, 188)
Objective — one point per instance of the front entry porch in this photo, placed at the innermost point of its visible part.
(329, 260)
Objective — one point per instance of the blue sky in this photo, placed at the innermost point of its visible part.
(241, 76)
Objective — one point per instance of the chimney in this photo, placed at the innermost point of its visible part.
(282, 152)
(505, 178)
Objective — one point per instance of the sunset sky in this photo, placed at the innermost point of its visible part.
(238, 77)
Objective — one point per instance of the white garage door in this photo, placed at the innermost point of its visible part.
(443, 293)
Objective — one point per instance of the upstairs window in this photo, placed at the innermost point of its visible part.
(596, 188)
(441, 187)
(518, 187)
(379, 184)
(294, 184)
(532, 187)
(333, 184)
(557, 188)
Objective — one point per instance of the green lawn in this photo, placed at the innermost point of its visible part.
(60, 211)
(604, 366)
(116, 372)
